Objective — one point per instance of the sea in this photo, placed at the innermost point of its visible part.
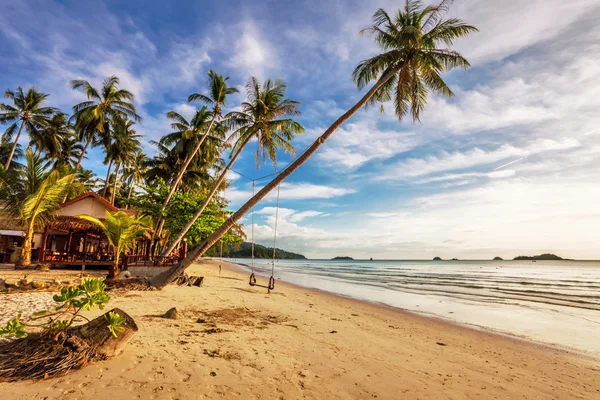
(551, 302)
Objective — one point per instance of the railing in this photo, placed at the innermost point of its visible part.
(53, 256)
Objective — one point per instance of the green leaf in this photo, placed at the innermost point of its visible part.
(115, 323)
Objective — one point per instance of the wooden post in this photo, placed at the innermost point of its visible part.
(41, 256)
(85, 238)
(69, 241)
(183, 253)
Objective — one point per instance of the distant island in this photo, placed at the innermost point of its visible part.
(245, 251)
(545, 256)
(498, 258)
(437, 259)
(342, 258)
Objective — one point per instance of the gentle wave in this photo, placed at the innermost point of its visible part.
(534, 300)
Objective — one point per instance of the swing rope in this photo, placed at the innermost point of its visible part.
(252, 276)
(252, 282)
(221, 256)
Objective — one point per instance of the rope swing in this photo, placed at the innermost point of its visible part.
(252, 282)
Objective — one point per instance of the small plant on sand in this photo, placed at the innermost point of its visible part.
(70, 302)
(51, 342)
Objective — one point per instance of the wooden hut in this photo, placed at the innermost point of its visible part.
(69, 240)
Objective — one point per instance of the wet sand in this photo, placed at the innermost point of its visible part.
(235, 341)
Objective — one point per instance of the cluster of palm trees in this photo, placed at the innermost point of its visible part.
(185, 159)
(416, 50)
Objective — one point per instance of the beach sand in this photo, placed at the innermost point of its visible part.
(235, 341)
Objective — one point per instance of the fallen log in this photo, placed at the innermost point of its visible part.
(41, 355)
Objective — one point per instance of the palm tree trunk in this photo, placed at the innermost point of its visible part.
(12, 151)
(214, 190)
(160, 222)
(83, 154)
(25, 257)
(114, 193)
(106, 183)
(130, 190)
(114, 270)
(168, 276)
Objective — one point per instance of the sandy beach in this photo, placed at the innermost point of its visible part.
(235, 341)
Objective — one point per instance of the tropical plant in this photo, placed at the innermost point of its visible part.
(6, 148)
(218, 91)
(186, 142)
(86, 296)
(121, 230)
(267, 117)
(87, 178)
(135, 172)
(48, 140)
(40, 206)
(410, 66)
(69, 151)
(27, 111)
(122, 149)
(95, 117)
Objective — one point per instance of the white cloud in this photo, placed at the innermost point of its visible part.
(449, 161)
(252, 53)
(292, 191)
(186, 110)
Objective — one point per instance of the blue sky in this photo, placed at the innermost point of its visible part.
(507, 167)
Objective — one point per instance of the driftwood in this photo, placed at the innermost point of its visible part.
(42, 355)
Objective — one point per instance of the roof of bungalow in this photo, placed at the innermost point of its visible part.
(66, 216)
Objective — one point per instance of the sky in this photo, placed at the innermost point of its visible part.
(508, 166)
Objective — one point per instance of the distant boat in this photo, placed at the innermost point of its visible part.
(371, 259)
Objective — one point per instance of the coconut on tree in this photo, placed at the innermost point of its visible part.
(416, 50)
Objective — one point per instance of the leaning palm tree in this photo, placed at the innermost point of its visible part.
(183, 139)
(267, 117)
(121, 230)
(218, 91)
(415, 46)
(39, 208)
(27, 111)
(95, 117)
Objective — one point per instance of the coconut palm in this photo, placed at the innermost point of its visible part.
(186, 142)
(121, 230)
(49, 139)
(95, 117)
(268, 118)
(87, 178)
(122, 149)
(136, 171)
(415, 46)
(39, 208)
(218, 91)
(6, 148)
(69, 152)
(27, 111)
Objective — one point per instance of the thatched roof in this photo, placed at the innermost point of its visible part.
(10, 223)
(65, 223)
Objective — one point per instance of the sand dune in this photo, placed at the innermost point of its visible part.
(235, 341)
